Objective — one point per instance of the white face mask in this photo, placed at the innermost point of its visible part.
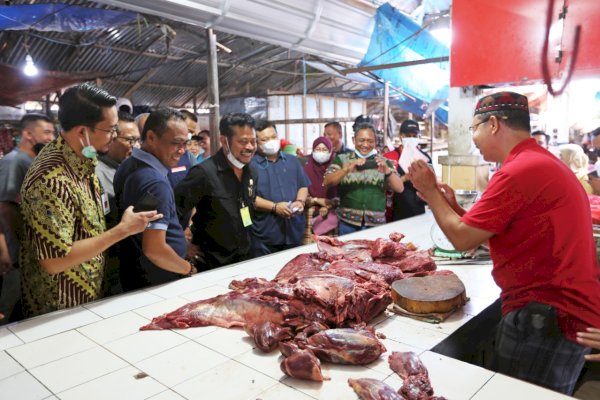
(236, 163)
(88, 151)
(321, 156)
(270, 147)
(371, 153)
(201, 151)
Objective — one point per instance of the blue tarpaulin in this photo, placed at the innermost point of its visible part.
(61, 18)
(397, 38)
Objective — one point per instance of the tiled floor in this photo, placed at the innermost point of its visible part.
(98, 352)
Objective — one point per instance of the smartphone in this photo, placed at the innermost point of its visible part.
(369, 164)
(148, 202)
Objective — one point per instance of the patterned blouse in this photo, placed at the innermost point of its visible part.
(61, 204)
(362, 193)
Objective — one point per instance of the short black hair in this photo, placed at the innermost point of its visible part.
(364, 125)
(362, 119)
(126, 117)
(234, 119)
(196, 138)
(535, 133)
(82, 105)
(189, 115)
(514, 119)
(158, 121)
(263, 124)
(596, 132)
(29, 119)
(335, 124)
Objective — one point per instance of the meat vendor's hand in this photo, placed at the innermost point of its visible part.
(382, 166)
(422, 178)
(138, 222)
(590, 338)
(194, 254)
(323, 211)
(283, 210)
(351, 167)
(448, 194)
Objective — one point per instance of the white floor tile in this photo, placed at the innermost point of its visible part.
(77, 369)
(281, 391)
(451, 324)
(127, 383)
(53, 323)
(228, 381)
(119, 304)
(337, 388)
(267, 363)
(229, 342)
(179, 287)
(401, 331)
(476, 305)
(144, 344)
(23, 386)
(8, 366)
(454, 379)
(501, 387)
(167, 395)
(205, 293)
(50, 349)
(114, 328)
(161, 307)
(181, 363)
(8, 339)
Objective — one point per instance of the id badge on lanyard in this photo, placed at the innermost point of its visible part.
(245, 210)
(105, 203)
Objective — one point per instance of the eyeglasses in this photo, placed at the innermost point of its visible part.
(473, 129)
(131, 140)
(113, 131)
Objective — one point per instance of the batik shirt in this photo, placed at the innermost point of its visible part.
(362, 193)
(61, 204)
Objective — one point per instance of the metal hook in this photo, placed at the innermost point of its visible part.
(545, 68)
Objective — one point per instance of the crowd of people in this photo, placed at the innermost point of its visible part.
(116, 203)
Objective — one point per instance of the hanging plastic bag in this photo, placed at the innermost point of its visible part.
(410, 153)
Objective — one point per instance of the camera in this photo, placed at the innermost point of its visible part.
(369, 164)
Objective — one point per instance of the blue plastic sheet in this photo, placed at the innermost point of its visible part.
(397, 38)
(60, 18)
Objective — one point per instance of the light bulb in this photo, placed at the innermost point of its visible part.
(30, 69)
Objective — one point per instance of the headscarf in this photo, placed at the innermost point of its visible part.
(575, 158)
(316, 171)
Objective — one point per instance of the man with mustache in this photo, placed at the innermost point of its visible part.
(223, 190)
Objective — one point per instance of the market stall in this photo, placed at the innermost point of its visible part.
(97, 350)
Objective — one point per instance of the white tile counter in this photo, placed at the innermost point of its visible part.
(97, 351)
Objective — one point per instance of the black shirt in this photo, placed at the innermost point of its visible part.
(214, 189)
(407, 204)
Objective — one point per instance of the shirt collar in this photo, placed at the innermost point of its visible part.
(523, 145)
(262, 159)
(108, 161)
(151, 160)
(85, 167)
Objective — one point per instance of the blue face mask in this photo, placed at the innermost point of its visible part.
(371, 153)
(88, 151)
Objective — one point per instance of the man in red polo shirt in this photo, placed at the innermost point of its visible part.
(536, 217)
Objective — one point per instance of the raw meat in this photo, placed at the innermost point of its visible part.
(345, 346)
(406, 364)
(372, 389)
(416, 387)
(267, 335)
(303, 364)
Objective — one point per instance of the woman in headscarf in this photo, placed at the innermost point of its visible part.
(319, 200)
(577, 161)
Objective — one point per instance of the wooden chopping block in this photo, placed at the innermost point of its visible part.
(429, 294)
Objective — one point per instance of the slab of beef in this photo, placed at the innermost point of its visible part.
(412, 261)
(387, 248)
(267, 335)
(406, 364)
(227, 310)
(416, 387)
(303, 364)
(373, 389)
(345, 346)
(366, 270)
(301, 265)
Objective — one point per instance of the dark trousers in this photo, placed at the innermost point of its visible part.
(527, 351)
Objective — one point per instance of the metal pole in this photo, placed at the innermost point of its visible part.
(213, 90)
(386, 110)
(431, 135)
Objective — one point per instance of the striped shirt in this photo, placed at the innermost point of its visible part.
(61, 204)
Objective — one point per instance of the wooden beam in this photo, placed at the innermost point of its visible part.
(149, 74)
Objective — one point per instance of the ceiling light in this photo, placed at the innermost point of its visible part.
(30, 69)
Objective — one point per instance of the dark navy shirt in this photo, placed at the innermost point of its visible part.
(186, 162)
(137, 175)
(279, 181)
